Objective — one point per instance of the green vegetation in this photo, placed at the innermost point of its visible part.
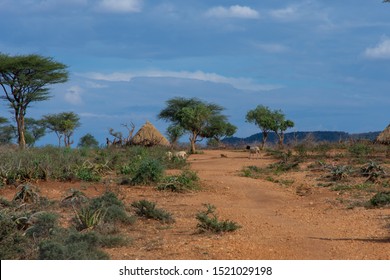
(380, 199)
(269, 120)
(148, 209)
(208, 221)
(187, 180)
(27, 232)
(25, 80)
(196, 117)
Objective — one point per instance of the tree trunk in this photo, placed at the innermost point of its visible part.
(192, 141)
(265, 136)
(20, 124)
(281, 139)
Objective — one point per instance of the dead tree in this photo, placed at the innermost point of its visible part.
(128, 141)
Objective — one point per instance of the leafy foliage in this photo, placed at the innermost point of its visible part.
(24, 80)
(198, 118)
(208, 221)
(380, 199)
(150, 171)
(187, 180)
(148, 209)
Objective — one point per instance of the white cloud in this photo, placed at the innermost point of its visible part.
(381, 50)
(272, 48)
(288, 13)
(120, 6)
(233, 12)
(73, 95)
(308, 10)
(238, 83)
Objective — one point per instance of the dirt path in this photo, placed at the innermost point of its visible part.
(279, 224)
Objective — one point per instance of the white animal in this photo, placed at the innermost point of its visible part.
(169, 155)
(181, 154)
(253, 151)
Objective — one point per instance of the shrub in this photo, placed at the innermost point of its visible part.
(380, 199)
(88, 175)
(113, 208)
(251, 171)
(187, 180)
(13, 245)
(76, 246)
(360, 150)
(148, 210)
(340, 172)
(150, 171)
(88, 218)
(43, 225)
(372, 171)
(208, 221)
(75, 198)
(26, 194)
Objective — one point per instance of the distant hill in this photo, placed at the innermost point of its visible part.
(317, 136)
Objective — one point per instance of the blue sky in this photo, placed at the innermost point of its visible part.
(325, 64)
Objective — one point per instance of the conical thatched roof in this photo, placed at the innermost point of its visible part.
(148, 135)
(384, 136)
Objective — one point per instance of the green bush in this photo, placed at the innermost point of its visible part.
(360, 150)
(208, 221)
(148, 210)
(149, 172)
(380, 199)
(43, 225)
(113, 208)
(88, 218)
(372, 171)
(251, 171)
(76, 246)
(187, 180)
(340, 172)
(13, 244)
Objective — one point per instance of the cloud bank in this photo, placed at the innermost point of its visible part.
(235, 11)
(238, 83)
(381, 50)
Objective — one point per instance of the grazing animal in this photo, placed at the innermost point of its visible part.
(253, 151)
(181, 154)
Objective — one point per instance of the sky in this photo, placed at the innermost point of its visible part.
(325, 64)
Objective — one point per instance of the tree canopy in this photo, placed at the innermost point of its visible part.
(269, 120)
(24, 80)
(88, 141)
(261, 116)
(63, 125)
(196, 117)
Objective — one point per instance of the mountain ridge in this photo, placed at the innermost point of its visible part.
(299, 136)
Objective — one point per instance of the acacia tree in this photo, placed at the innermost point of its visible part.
(194, 116)
(63, 125)
(34, 130)
(88, 141)
(219, 128)
(24, 80)
(269, 120)
(280, 125)
(174, 132)
(263, 117)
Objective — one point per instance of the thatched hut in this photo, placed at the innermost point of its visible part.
(148, 135)
(384, 136)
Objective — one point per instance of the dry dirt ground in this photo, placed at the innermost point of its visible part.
(299, 221)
